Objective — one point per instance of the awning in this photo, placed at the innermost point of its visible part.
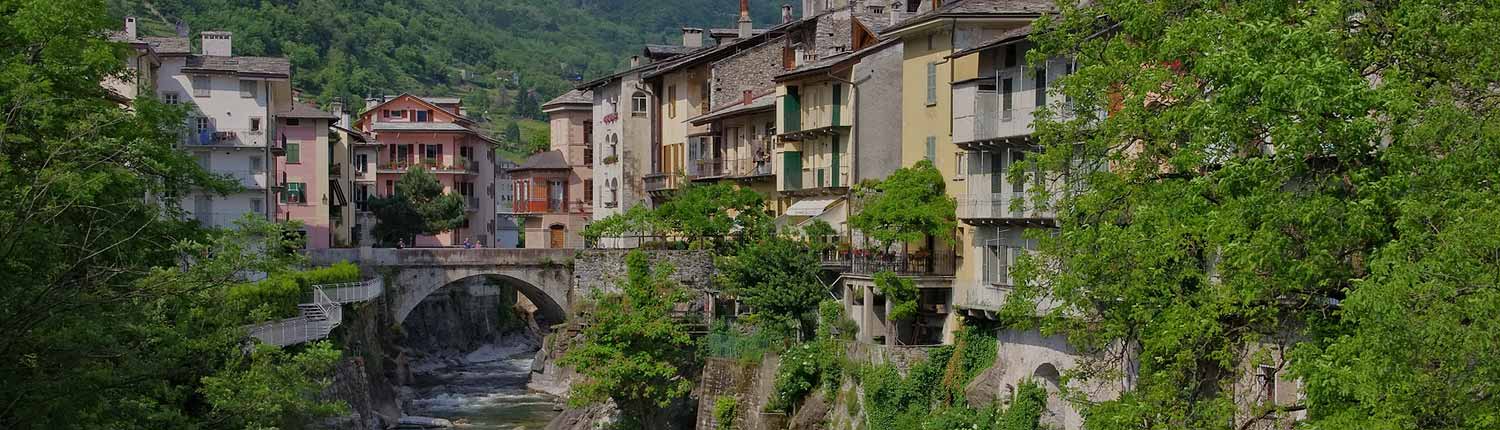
(835, 215)
(810, 207)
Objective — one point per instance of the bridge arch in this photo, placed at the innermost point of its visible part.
(549, 309)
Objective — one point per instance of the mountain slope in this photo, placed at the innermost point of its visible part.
(503, 56)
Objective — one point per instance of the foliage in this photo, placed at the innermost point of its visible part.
(638, 220)
(929, 396)
(908, 206)
(833, 324)
(273, 388)
(778, 278)
(724, 411)
(817, 233)
(419, 207)
(635, 352)
(804, 368)
(278, 295)
(1322, 173)
(1025, 410)
(900, 292)
(725, 341)
(701, 212)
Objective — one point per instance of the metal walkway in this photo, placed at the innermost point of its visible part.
(319, 316)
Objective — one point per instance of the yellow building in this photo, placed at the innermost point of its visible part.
(929, 71)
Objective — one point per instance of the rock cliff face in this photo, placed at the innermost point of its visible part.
(364, 378)
(462, 317)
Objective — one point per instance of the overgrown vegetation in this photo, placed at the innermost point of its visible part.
(724, 412)
(909, 206)
(804, 368)
(635, 352)
(278, 295)
(931, 395)
(699, 216)
(900, 292)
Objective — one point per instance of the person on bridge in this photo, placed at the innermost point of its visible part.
(468, 244)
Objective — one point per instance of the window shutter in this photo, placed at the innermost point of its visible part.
(932, 149)
(931, 83)
(293, 153)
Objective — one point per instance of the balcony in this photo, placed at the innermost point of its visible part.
(545, 206)
(435, 166)
(216, 139)
(249, 179)
(917, 263)
(747, 168)
(661, 182)
(980, 116)
(1003, 207)
(218, 219)
(710, 168)
(817, 180)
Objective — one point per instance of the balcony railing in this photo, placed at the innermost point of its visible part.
(708, 168)
(233, 138)
(249, 179)
(920, 263)
(748, 167)
(1001, 206)
(434, 166)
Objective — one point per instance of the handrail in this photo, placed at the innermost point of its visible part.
(319, 317)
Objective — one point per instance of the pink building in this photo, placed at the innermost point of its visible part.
(554, 190)
(409, 131)
(306, 192)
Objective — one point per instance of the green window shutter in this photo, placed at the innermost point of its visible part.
(791, 169)
(834, 180)
(838, 101)
(931, 83)
(792, 105)
(293, 153)
(932, 149)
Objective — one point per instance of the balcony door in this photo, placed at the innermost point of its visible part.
(556, 236)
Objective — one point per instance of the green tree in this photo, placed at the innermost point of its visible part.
(419, 207)
(1320, 173)
(909, 206)
(513, 135)
(778, 278)
(702, 212)
(901, 292)
(635, 352)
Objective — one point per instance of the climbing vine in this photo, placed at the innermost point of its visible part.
(901, 292)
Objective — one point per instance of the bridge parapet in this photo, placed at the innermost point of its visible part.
(442, 256)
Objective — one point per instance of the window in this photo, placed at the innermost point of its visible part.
(247, 89)
(430, 153)
(293, 122)
(638, 105)
(931, 149)
(201, 86)
(1016, 158)
(258, 206)
(257, 166)
(913, 5)
(1267, 376)
(1007, 86)
(555, 195)
(958, 166)
(1041, 86)
(361, 163)
(401, 113)
(170, 97)
(254, 124)
(672, 101)
(931, 84)
(204, 124)
(424, 115)
(588, 191)
(385, 113)
(293, 153)
(362, 197)
(296, 193)
(390, 187)
(1011, 55)
(703, 97)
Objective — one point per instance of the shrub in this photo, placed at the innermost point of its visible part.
(278, 295)
(901, 292)
(833, 323)
(724, 409)
(804, 368)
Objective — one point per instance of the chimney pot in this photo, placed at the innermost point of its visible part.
(635, 61)
(130, 27)
(218, 43)
(786, 13)
(692, 37)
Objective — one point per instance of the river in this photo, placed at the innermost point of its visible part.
(486, 389)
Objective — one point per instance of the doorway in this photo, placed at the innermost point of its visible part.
(556, 236)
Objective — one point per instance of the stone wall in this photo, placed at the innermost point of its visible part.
(900, 356)
(749, 383)
(752, 69)
(602, 269)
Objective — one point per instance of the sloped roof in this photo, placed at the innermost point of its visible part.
(1012, 35)
(303, 110)
(169, 45)
(980, 8)
(550, 160)
(258, 66)
(731, 32)
(762, 102)
(875, 22)
(572, 97)
(655, 51)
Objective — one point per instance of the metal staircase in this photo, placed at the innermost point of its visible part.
(319, 316)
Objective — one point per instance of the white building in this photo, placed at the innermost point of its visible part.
(231, 126)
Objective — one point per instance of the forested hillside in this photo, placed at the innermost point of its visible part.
(503, 56)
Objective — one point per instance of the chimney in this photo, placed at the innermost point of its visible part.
(130, 27)
(635, 61)
(810, 8)
(182, 28)
(786, 13)
(937, 4)
(745, 25)
(692, 37)
(218, 43)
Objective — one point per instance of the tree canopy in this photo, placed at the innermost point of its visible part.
(908, 206)
(419, 207)
(1266, 173)
(778, 277)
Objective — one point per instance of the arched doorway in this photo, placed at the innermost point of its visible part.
(557, 236)
(1048, 377)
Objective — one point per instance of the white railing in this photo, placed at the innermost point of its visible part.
(1000, 206)
(319, 317)
(250, 179)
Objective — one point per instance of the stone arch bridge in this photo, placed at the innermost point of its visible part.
(544, 276)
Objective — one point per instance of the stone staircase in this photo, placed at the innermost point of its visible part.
(318, 317)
